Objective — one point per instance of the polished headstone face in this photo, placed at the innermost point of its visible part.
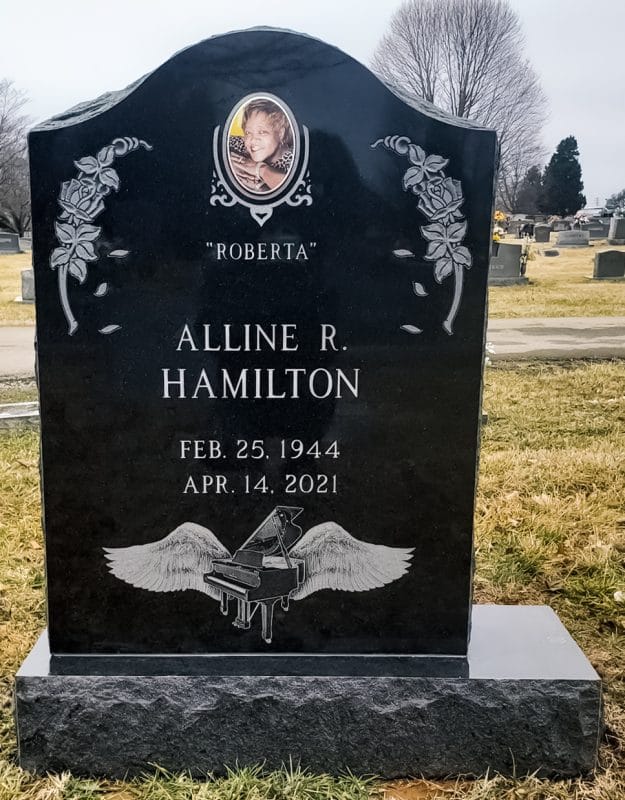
(261, 282)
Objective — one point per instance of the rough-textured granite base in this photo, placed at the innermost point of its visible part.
(532, 702)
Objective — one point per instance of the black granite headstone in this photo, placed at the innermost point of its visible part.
(227, 326)
(261, 279)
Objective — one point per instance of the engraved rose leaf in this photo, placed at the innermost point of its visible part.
(107, 329)
(89, 165)
(434, 232)
(64, 232)
(411, 329)
(106, 156)
(60, 256)
(443, 269)
(435, 163)
(413, 178)
(110, 178)
(87, 233)
(435, 251)
(86, 250)
(456, 231)
(416, 154)
(462, 256)
(78, 269)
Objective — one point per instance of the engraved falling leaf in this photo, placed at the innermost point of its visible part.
(419, 289)
(101, 290)
(109, 329)
(118, 253)
(411, 329)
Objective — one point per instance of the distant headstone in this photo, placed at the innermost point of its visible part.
(551, 253)
(514, 227)
(542, 233)
(9, 242)
(609, 264)
(260, 426)
(505, 265)
(616, 234)
(573, 239)
(26, 243)
(561, 225)
(596, 231)
(28, 286)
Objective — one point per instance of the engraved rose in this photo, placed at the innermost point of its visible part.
(81, 198)
(82, 201)
(439, 201)
(441, 198)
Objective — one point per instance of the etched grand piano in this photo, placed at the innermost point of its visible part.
(261, 572)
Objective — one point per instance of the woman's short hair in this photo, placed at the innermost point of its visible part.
(276, 115)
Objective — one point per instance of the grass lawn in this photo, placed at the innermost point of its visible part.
(18, 390)
(550, 525)
(560, 287)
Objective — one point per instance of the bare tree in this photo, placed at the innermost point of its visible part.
(14, 191)
(15, 214)
(465, 56)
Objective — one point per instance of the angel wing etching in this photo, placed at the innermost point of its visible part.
(277, 563)
(173, 564)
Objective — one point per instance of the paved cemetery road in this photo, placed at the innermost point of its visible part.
(17, 352)
(547, 337)
(558, 337)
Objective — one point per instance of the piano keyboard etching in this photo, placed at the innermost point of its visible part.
(277, 564)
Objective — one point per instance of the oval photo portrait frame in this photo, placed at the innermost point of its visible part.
(231, 149)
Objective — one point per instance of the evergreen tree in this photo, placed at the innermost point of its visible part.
(530, 191)
(562, 181)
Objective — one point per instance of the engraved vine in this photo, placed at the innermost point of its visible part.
(82, 200)
(440, 199)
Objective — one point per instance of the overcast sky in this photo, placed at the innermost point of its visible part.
(66, 51)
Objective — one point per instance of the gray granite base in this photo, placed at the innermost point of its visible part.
(531, 703)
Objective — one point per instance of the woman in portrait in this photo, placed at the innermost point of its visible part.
(263, 156)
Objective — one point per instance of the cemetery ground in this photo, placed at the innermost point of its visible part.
(550, 529)
(559, 286)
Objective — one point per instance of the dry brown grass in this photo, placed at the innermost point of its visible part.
(550, 528)
(560, 287)
(12, 313)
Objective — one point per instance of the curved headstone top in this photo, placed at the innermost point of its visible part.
(207, 49)
(261, 279)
